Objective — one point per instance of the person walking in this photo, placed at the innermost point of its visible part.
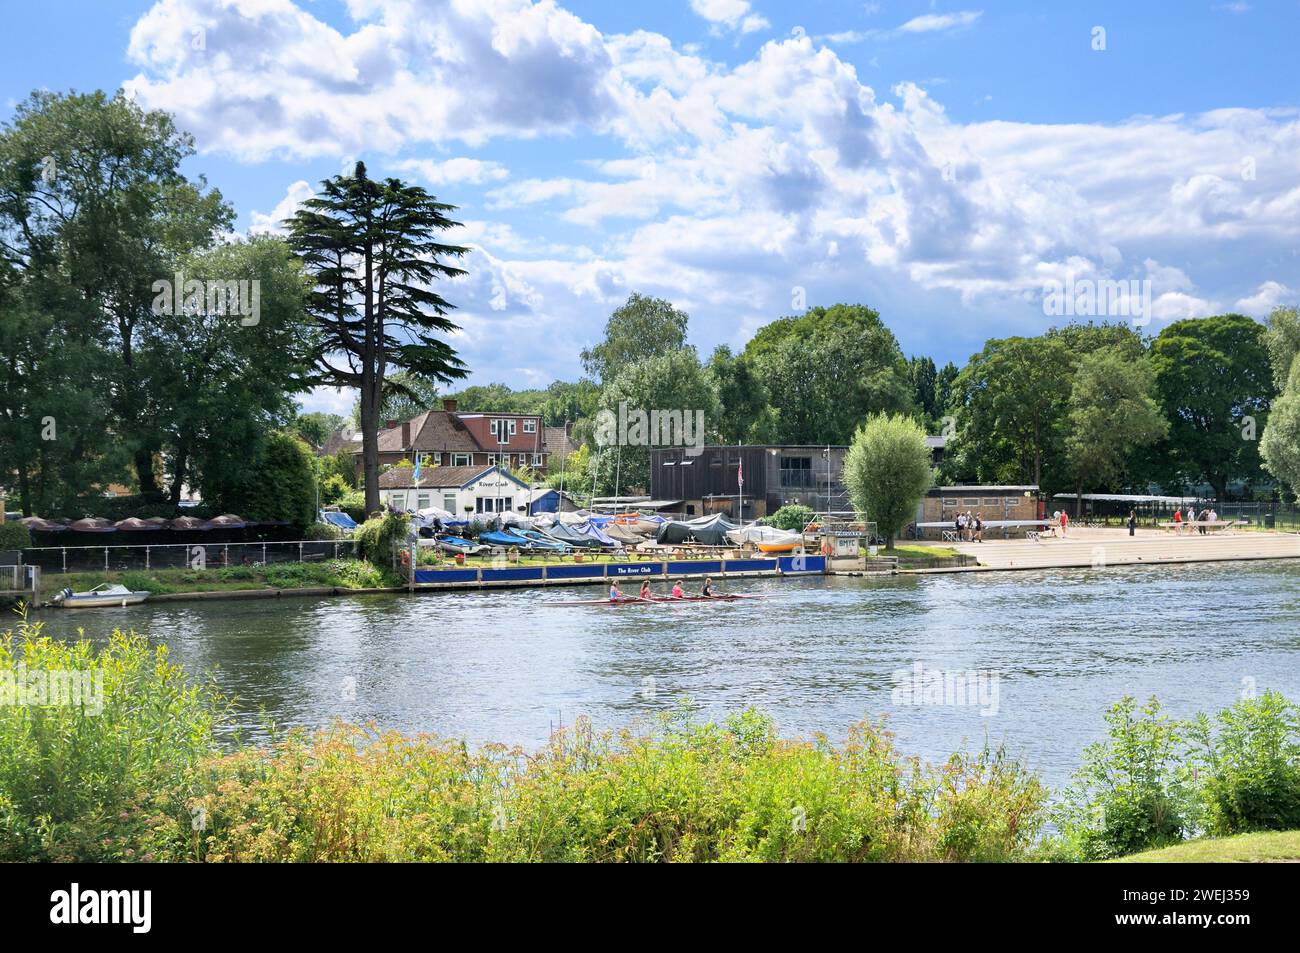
(1132, 521)
(1065, 521)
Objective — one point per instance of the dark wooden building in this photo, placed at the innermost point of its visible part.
(774, 476)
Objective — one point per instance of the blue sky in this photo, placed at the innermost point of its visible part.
(938, 161)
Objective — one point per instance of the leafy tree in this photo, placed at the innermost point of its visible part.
(672, 381)
(1280, 446)
(887, 471)
(642, 327)
(1212, 374)
(1010, 402)
(827, 370)
(743, 414)
(316, 427)
(372, 251)
(92, 196)
(1112, 411)
(217, 384)
(923, 377)
(943, 388)
(1283, 342)
(278, 482)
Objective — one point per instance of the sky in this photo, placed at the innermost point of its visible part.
(940, 162)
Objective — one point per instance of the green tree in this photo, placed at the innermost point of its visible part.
(1280, 445)
(372, 249)
(217, 384)
(91, 195)
(1112, 411)
(887, 471)
(826, 371)
(277, 482)
(316, 427)
(924, 379)
(672, 381)
(1283, 342)
(1211, 375)
(640, 328)
(1010, 403)
(743, 415)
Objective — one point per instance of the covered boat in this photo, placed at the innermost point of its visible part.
(540, 540)
(767, 539)
(570, 534)
(454, 544)
(93, 524)
(99, 597)
(707, 531)
(504, 539)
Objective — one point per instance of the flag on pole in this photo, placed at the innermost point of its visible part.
(740, 473)
(417, 469)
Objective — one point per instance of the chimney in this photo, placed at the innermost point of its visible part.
(390, 424)
(406, 434)
(449, 404)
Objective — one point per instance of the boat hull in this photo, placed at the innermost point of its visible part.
(102, 602)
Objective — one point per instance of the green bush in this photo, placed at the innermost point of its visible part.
(354, 504)
(793, 517)
(1133, 792)
(94, 781)
(1248, 762)
(378, 537)
(14, 535)
(332, 489)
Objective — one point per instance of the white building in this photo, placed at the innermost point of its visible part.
(459, 490)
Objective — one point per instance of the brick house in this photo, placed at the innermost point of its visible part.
(450, 438)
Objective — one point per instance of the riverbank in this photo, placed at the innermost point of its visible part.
(1100, 548)
(1265, 847)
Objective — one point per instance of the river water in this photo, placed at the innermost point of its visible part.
(1052, 649)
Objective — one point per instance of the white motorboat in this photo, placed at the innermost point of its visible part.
(105, 594)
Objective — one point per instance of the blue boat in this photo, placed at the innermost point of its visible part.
(504, 539)
(540, 540)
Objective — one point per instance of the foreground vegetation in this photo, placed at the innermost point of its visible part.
(140, 776)
(332, 573)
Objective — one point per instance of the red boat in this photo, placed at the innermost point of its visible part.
(730, 597)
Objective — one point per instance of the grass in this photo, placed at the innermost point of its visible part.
(333, 573)
(918, 551)
(1243, 848)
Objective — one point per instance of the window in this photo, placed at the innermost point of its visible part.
(796, 473)
(530, 426)
(523, 459)
(397, 501)
(449, 503)
(460, 459)
(492, 459)
(992, 501)
(538, 460)
(948, 501)
(423, 501)
(971, 501)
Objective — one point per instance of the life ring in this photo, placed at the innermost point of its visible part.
(406, 558)
(826, 549)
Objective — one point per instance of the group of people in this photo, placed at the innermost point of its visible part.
(616, 594)
(1061, 521)
(970, 528)
(1207, 515)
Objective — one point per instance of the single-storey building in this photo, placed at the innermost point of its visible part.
(460, 490)
(942, 504)
(709, 481)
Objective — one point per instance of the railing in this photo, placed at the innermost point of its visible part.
(20, 578)
(185, 555)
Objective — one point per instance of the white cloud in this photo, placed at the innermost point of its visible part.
(294, 196)
(732, 14)
(1267, 296)
(458, 171)
(935, 22)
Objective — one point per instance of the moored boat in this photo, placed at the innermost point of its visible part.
(101, 596)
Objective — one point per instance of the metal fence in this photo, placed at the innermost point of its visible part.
(20, 578)
(185, 555)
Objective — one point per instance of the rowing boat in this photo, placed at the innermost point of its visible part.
(624, 600)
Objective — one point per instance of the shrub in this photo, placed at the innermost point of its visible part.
(14, 535)
(332, 489)
(1131, 793)
(1249, 763)
(378, 537)
(793, 517)
(97, 781)
(354, 504)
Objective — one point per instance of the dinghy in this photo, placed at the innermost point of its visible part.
(99, 597)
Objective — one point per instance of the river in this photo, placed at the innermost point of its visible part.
(1053, 649)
